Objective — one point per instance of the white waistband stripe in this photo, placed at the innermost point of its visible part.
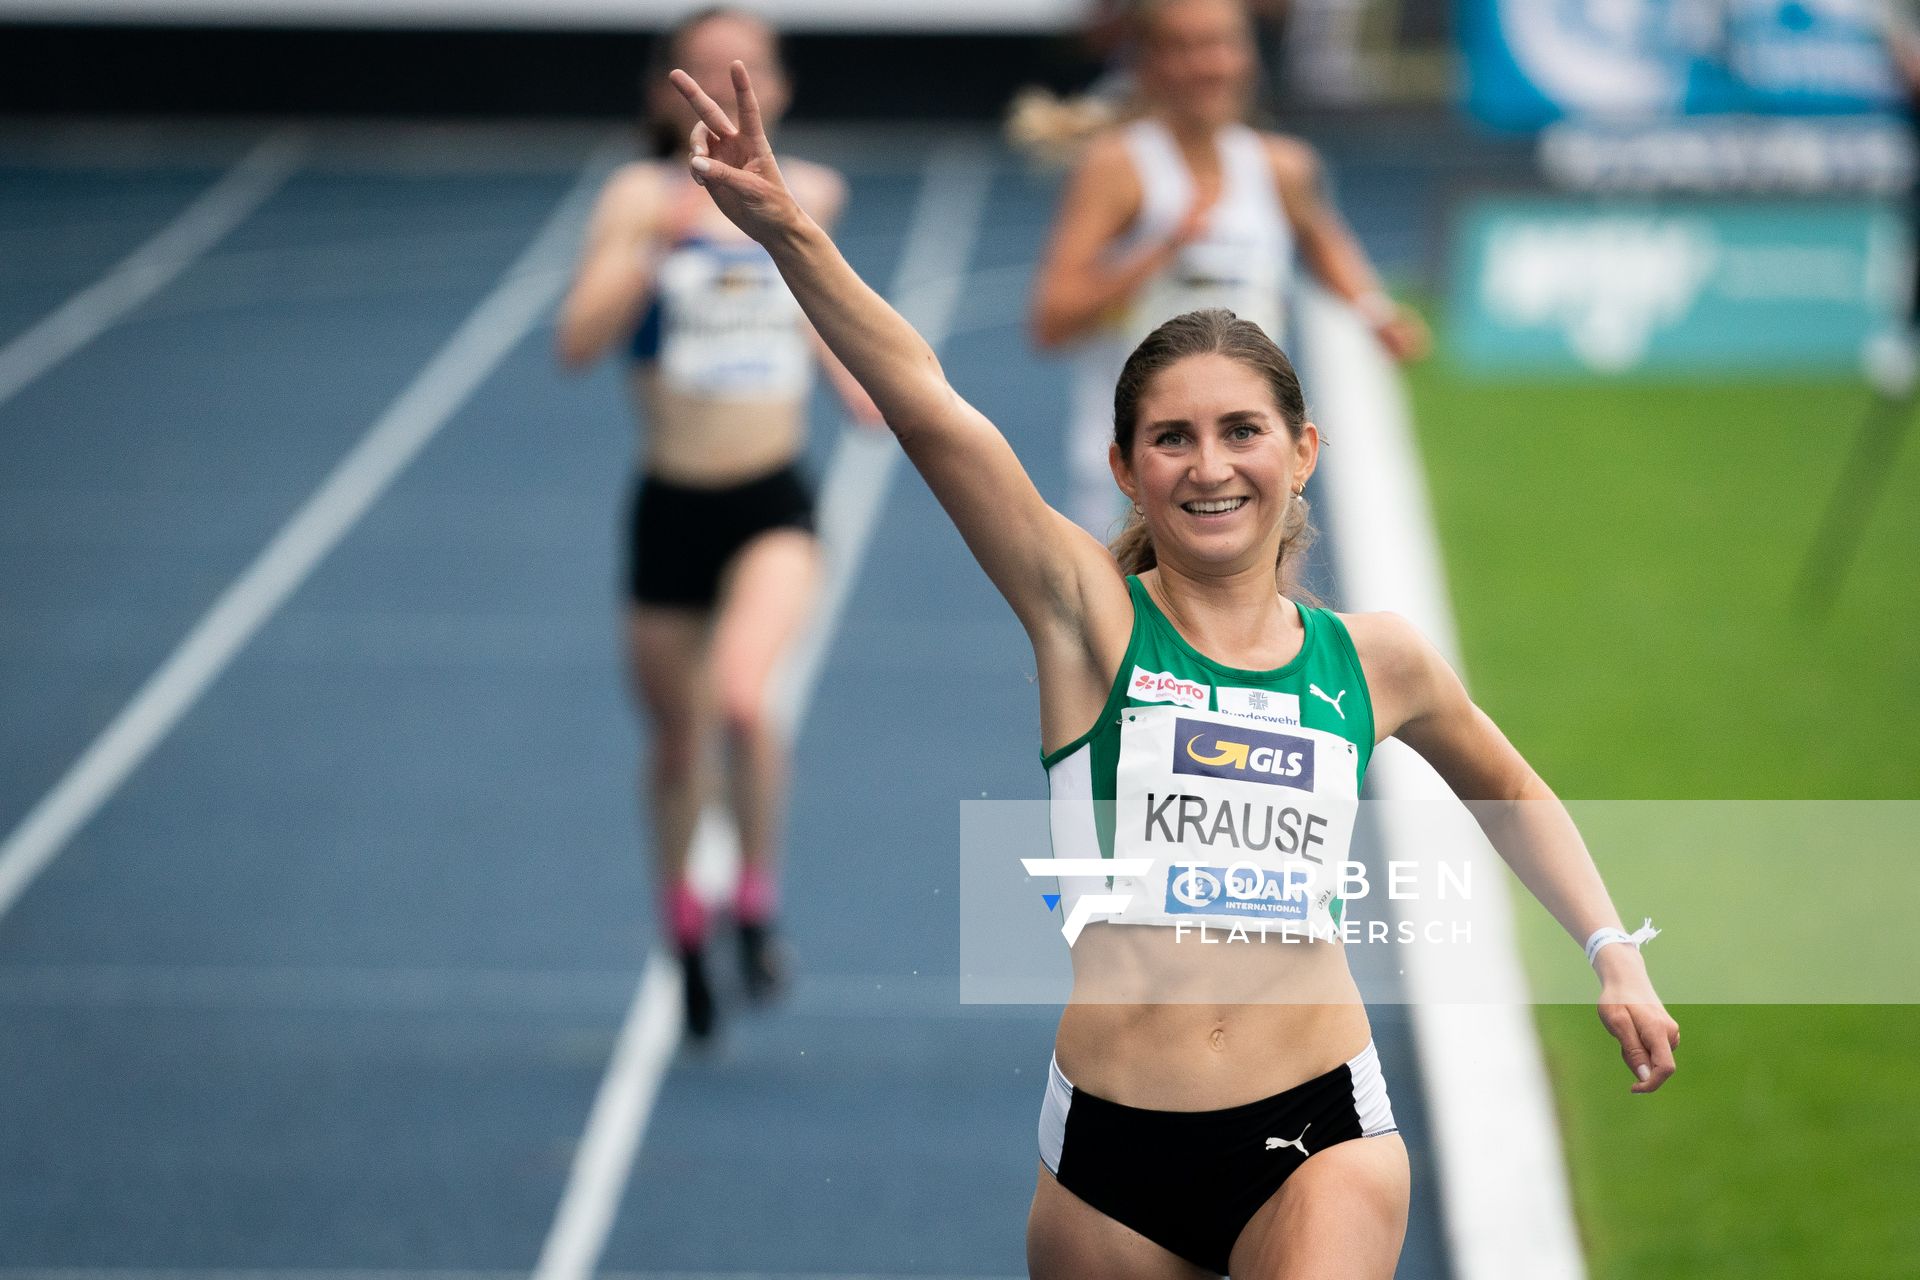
(1053, 1117)
(1370, 1101)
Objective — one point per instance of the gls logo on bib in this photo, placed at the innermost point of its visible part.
(1242, 755)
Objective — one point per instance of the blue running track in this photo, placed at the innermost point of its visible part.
(328, 985)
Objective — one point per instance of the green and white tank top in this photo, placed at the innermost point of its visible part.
(1219, 795)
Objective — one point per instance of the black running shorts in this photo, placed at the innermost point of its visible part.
(1190, 1181)
(681, 537)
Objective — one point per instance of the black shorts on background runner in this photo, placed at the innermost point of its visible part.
(681, 537)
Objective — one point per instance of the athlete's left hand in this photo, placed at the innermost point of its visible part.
(1404, 334)
(1633, 1014)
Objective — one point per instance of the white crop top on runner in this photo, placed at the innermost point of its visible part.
(723, 324)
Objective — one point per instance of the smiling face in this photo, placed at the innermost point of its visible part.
(706, 51)
(1197, 60)
(1213, 464)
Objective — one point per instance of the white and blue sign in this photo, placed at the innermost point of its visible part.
(1530, 62)
(1240, 889)
(1615, 286)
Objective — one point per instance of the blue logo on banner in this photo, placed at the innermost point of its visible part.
(1241, 889)
(1532, 61)
(1244, 755)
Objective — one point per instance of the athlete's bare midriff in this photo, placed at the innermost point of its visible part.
(700, 440)
(1173, 1023)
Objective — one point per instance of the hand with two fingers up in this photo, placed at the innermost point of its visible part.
(735, 163)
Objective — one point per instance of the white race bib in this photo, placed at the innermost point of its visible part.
(1243, 821)
(731, 328)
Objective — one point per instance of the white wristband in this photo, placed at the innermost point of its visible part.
(1601, 937)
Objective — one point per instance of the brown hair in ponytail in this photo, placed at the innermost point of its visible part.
(1215, 331)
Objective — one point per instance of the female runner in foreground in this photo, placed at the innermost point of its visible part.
(1247, 1137)
(721, 554)
(1186, 207)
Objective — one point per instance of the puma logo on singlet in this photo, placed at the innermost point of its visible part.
(1321, 694)
(1300, 1143)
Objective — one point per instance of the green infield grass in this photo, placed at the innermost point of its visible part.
(1622, 559)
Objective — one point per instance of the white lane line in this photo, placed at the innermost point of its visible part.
(616, 1124)
(351, 991)
(516, 304)
(148, 269)
(927, 286)
(1503, 1181)
(337, 989)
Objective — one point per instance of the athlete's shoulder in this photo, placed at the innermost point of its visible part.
(632, 197)
(1398, 658)
(1386, 639)
(1107, 156)
(1287, 151)
(1105, 177)
(820, 188)
(1294, 161)
(629, 208)
(636, 181)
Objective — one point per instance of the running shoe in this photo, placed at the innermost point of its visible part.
(701, 1012)
(765, 966)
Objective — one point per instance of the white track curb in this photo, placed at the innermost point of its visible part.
(1503, 1186)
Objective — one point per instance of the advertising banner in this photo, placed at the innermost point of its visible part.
(1549, 286)
(1530, 62)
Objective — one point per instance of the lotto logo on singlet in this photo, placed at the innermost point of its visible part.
(1240, 889)
(1164, 686)
(1243, 755)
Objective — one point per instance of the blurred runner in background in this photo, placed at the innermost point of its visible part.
(722, 562)
(1181, 208)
